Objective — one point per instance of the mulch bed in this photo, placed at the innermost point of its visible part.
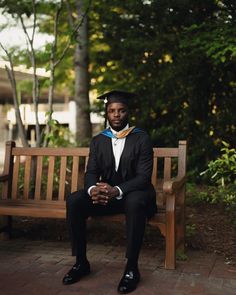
(215, 230)
(209, 228)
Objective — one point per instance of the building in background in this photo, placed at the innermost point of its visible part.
(64, 109)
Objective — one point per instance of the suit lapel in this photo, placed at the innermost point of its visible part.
(107, 150)
(125, 156)
(128, 146)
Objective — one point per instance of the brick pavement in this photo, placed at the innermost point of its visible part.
(37, 267)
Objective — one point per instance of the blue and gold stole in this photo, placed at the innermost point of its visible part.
(107, 132)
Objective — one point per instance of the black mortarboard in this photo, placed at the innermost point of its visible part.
(117, 96)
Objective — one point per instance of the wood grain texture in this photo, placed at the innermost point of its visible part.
(170, 218)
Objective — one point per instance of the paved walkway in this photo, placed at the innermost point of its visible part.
(37, 267)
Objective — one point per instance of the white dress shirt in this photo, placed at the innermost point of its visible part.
(118, 146)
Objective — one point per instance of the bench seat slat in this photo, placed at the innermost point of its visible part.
(15, 177)
(75, 171)
(38, 177)
(62, 183)
(31, 203)
(44, 212)
(169, 219)
(86, 163)
(154, 172)
(167, 168)
(51, 164)
(27, 177)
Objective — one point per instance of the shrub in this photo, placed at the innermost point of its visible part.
(58, 136)
(222, 171)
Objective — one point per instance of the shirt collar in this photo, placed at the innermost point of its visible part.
(115, 132)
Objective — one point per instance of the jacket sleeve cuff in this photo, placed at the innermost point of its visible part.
(120, 195)
(89, 189)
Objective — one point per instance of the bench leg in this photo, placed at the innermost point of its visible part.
(180, 243)
(6, 227)
(170, 236)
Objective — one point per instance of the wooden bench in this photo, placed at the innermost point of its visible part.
(36, 181)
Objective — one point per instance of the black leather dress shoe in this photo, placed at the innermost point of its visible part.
(76, 273)
(129, 281)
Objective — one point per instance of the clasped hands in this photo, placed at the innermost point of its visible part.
(102, 193)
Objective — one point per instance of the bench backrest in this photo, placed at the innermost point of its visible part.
(52, 173)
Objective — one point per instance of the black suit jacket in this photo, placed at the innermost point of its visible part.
(136, 162)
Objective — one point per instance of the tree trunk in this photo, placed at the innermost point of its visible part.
(83, 124)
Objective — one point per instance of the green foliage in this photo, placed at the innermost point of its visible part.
(190, 230)
(224, 196)
(17, 7)
(179, 56)
(221, 195)
(181, 256)
(223, 170)
(215, 39)
(58, 135)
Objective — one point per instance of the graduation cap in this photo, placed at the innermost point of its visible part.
(117, 96)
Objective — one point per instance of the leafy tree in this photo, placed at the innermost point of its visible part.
(18, 10)
(179, 56)
(51, 17)
(81, 64)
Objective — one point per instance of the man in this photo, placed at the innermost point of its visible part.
(118, 179)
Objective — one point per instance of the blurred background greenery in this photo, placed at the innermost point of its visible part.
(178, 56)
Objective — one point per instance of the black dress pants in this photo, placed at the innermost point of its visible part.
(133, 205)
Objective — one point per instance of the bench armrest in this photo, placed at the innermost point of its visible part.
(170, 190)
(170, 186)
(4, 177)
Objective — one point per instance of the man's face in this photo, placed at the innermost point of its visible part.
(117, 115)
